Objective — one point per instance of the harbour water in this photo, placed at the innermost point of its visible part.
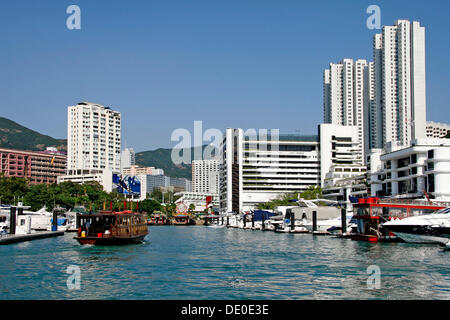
(205, 263)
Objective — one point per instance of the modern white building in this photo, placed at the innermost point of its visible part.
(198, 199)
(339, 153)
(343, 174)
(342, 189)
(259, 167)
(400, 84)
(105, 178)
(345, 97)
(205, 176)
(423, 167)
(127, 158)
(93, 142)
(374, 166)
(437, 129)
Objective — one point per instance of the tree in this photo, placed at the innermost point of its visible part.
(312, 192)
(170, 209)
(12, 188)
(287, 199)
(157, 194)
(150, 206)
(66, 194)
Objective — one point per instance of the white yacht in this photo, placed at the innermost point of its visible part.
(286, 227)
(4, 218)
(4, 222)
(331, 225)
(71, 216)
(231, 219)
(427, 228)
(41, 220)
(273, 223)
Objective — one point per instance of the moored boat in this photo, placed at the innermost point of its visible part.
(430, 228)
(183, 220)
(158, 219)
(370, 215)
(112, 228)
(331, 226)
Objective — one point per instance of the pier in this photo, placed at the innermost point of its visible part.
(20, 228)
(15, 238)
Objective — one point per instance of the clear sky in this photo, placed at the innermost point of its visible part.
(166, 63)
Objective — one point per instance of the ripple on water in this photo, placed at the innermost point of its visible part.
(206, 263)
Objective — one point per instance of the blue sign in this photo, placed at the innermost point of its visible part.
(128, 185)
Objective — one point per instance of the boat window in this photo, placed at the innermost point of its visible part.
(362, 211)
(445, 210)
(377, 211)
(418, 212)
(398, 212)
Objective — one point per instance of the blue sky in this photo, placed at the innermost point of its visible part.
(166, 63)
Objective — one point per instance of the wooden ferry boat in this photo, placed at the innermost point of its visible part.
(111, 228)
(371, 213)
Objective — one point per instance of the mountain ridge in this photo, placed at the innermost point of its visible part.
(16, 136)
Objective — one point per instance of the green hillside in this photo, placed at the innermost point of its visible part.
(15, 136)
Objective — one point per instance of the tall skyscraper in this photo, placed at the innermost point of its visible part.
(127, 158)
(93, 139)
(373, 122)
(345, 97)
(400, 86)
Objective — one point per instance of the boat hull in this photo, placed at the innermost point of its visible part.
(110, 241)
(364, 237)
(421, 234)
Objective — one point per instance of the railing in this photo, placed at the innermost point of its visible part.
(128, 230)
(416, 202)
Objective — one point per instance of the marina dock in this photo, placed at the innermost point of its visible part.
(14, 238)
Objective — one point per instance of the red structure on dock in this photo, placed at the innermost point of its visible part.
(371, 213)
